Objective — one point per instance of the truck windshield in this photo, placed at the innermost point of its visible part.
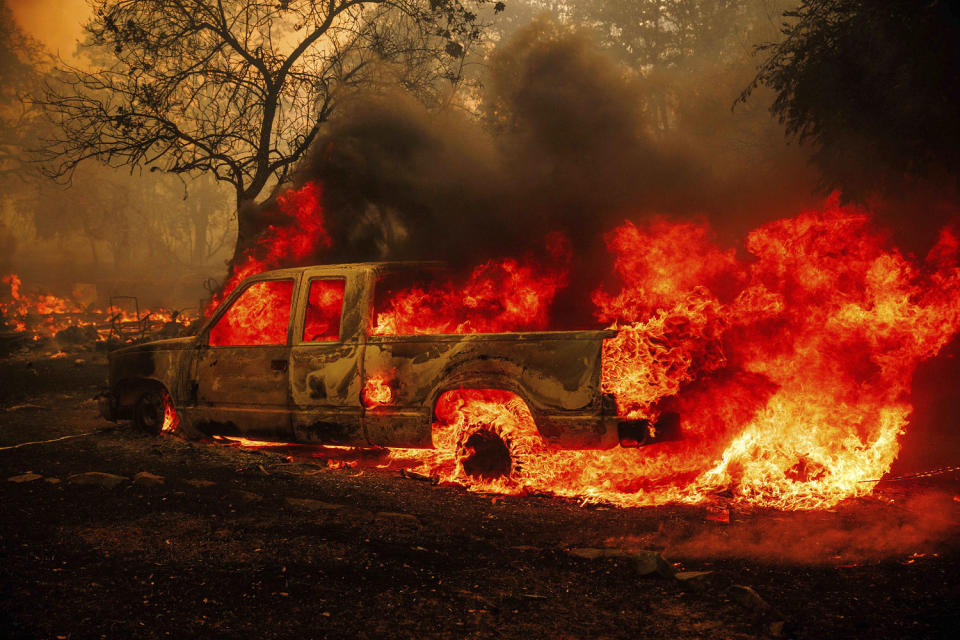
(261, 315)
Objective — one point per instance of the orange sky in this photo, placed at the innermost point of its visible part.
(55, 23)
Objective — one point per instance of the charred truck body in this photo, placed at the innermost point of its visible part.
(300, 375)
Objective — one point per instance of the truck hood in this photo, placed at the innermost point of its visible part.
(169, 344)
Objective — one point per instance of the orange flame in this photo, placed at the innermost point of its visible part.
(171, 421)
(376, 392)
(790, 365)
(499, 295)
(282, 245)
(46, 315)
(791, 370)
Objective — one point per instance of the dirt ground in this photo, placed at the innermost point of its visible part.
(234, 543)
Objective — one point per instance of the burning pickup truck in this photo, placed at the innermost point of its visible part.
(295, 355)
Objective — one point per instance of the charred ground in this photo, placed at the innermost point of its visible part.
(322, 543)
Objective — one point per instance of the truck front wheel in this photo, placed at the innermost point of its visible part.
(154, 412)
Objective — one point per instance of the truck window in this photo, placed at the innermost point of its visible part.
(401, 296)
(324, 306)
(260, 315)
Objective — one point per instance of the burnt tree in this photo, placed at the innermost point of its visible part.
(22, 66)
(239, 89)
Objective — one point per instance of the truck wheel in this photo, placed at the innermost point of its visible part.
(490, 432)
(485, 455)
(154, 412)
(148, 412)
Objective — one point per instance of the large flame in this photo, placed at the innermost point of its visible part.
(790, 365)
(791, 368)
(282, 245)
(499, 295)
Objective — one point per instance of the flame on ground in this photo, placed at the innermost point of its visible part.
(791, 368)
(45, 315)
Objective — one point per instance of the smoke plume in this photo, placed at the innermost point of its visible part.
(568, 141)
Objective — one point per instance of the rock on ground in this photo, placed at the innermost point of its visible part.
(147, 479)
(97, 479)
(29, 476)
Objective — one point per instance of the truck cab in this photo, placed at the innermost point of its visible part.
(291, 355)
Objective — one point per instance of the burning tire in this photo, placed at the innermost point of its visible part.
(490, 432)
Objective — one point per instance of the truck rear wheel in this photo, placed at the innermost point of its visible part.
(485, 455)
(490, 432)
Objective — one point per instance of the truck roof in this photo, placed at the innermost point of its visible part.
(351, 266)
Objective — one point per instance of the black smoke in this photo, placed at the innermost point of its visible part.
(567, 140)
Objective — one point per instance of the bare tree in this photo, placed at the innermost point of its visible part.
(239, 88)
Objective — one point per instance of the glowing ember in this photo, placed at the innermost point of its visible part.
(252, 444)
(377, 392)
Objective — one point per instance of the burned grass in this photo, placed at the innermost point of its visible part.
(234, 542)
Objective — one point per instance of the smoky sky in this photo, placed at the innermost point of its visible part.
(564, 143)
(55, 23)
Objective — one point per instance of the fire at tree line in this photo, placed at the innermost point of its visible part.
(776, 367)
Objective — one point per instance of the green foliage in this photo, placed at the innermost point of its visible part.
(873, 87)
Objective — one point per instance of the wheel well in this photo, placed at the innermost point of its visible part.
(448, 402)
(129, 391)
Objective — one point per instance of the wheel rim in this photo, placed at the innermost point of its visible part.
(485, 455)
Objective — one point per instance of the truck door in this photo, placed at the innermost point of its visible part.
(327, 350)
(242, 365)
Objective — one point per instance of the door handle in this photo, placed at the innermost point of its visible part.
(279, 365)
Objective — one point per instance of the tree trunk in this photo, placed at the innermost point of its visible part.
(249, 226)
(200, 220)
(93, 253)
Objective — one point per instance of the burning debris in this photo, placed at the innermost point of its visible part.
(33, 318)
